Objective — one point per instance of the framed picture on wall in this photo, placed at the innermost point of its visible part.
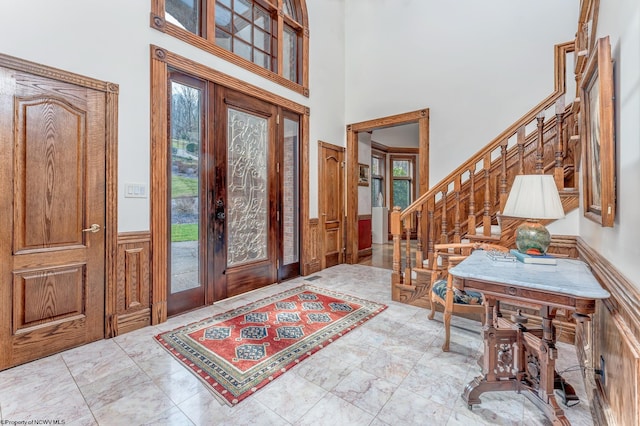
(599, 142)
(363, 174)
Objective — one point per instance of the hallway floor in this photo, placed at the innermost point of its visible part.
(389, 371)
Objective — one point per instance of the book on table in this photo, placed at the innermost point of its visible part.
(540, 259)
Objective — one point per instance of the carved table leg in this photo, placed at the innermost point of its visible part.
(517, 360)
(540, 374)
(498, 361)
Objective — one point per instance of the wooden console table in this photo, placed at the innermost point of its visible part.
(517, 358)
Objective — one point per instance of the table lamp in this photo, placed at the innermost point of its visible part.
(534, 198)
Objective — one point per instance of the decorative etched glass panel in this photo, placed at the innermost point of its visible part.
(290, 205)
(247, 183)
(184, 13)
(184, 185)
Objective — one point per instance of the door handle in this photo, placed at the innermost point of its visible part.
(93, 228)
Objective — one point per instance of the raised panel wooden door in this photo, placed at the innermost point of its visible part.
(52, 175)
(332, 203)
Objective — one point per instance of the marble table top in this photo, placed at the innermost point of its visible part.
(569, 276)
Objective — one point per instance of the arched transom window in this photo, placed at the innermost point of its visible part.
(269, 37)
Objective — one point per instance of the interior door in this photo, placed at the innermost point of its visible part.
(244, 194)
(52, 174)
(331, 185)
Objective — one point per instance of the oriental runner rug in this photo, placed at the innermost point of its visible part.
(242, 350)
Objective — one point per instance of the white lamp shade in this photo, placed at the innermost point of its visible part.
(534, 197)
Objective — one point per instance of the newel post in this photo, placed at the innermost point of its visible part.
(396, 232)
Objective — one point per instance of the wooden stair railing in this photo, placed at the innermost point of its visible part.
(477, 190)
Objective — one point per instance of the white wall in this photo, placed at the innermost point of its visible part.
(110, 41)
(326, 82)
(405, 136)
(478, 66)
(620, 20)
(364, 157)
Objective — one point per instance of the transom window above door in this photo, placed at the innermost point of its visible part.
(268, 37)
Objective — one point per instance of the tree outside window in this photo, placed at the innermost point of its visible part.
(402, 184)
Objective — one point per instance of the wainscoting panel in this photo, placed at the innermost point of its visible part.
(312, 249)
(609, 349)
(364, 235)
(132, 310)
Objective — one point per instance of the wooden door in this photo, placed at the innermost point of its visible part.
(331, 185)
(244, 194)
(52, 173)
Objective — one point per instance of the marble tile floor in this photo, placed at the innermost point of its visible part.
(389, 371)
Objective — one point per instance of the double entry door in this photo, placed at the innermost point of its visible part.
(233, 183)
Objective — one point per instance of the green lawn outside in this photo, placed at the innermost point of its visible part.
(184, 232)
(183, 187)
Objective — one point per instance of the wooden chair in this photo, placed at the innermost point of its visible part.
(443, 289)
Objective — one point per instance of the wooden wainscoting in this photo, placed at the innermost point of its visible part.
(364, 235)
(132, 300)
(610, 343)
(312, 248)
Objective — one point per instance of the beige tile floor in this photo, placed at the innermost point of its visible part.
(389, 371)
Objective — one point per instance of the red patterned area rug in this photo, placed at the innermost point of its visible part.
(240, 351)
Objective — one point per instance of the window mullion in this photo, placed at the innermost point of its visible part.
(280, 40)
(209, 20)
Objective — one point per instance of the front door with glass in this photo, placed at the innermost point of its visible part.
(233, 191)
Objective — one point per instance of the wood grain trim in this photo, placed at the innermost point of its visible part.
(309, 228)
(159, 211)
(612, 339)
(56, 74)
(111, 206)
(311, 245)
(132, 299)
(192, 67)
(390, 121)
(394, 149)
(422, 118)
(625, 297)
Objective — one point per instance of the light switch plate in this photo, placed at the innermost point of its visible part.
(135, 190)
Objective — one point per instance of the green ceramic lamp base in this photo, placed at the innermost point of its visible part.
(532, 238)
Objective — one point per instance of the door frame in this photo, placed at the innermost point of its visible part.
(110, 91)
(161, 60)
(421, 117)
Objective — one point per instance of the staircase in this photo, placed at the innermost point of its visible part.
(466, 203)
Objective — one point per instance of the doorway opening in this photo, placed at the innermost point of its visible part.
(419, 120)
